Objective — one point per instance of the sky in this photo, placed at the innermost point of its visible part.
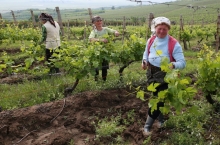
(7, 5)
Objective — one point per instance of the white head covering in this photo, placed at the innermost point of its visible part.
(158, 20)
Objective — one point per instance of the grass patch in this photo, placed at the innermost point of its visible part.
(190, 54)
(107, 128)
(189, 126)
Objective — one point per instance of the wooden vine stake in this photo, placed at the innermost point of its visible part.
(181, 30)
(60, 20)
(124, 27)
(13, 15)
(218, 33)
(90, 13)
(84, 35)
(68, 25)
(150, 18)
(33, 18)
(90, 16)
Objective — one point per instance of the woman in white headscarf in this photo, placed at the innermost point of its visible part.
(168, 47)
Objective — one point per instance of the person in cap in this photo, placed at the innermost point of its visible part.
(97, 35)
(170, 48)
(51, 35)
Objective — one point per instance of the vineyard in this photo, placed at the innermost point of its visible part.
(71, 108)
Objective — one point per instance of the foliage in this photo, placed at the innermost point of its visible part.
(71, 142)
(107, 127)
(158, 9)
(209, 71)
(80, 60)
(185, 138)
(130, 117)
(11, 34)
(189, 126)
(147, 141)
(35, 17)
(6, 64)
(191, 120)
(178, 94)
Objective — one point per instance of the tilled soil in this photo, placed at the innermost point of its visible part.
(59, 122)
(10, 50)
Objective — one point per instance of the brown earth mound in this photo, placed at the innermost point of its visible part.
(59, 122)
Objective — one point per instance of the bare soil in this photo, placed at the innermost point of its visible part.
(59, 122)
(10, 50)
(17, 78)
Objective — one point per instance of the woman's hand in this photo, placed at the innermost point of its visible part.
(99, 40)
(144, 65)
(103, 40)
(117, 33)
(172, 66)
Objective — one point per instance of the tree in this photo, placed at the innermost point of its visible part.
(113, 7)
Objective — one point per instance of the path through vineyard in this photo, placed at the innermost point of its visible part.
(42, 124)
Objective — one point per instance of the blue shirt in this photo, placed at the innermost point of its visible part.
(159, 49)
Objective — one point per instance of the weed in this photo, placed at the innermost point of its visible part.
(188, 127)
(185, 138)
(147, 141)
(106, 128)
(86, 140)
(119, 139)
(71, 142)
(65, 117)
(130, 117)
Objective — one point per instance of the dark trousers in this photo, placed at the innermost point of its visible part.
(157, 112)
(155, 75)
(105, 67)
(49, 54)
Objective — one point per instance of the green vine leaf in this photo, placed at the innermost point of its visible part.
(162, 95)
(180, 97)
(153, 104)
(184, 81)
(140, 95)
(28, 62)
(152, 87)
(2, 66)
(165, 109)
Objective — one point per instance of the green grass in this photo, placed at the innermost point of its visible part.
(105, 127)
(189, 126)
(30, 93)
(190, 54)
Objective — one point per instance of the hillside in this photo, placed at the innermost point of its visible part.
(199, 9)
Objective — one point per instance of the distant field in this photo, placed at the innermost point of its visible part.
(206, 11)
